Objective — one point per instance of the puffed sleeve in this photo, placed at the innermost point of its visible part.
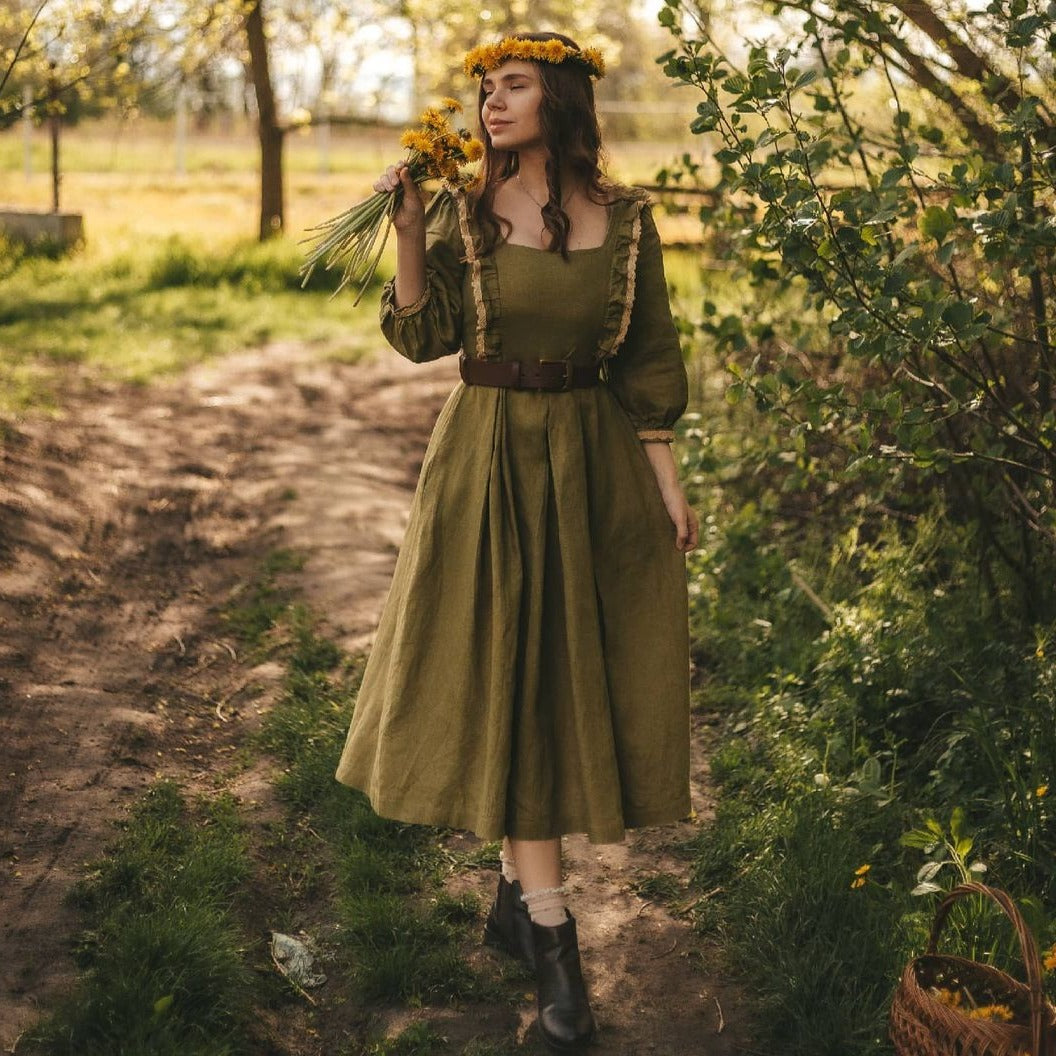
(431, 327)
(647, 374)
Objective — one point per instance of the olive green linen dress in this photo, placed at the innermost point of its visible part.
(530, 672)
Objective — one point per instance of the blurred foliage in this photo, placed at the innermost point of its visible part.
(872, 605)
(926, 254)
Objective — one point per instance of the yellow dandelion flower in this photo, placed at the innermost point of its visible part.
(474, 150)
(595, 56)
(453, 105)
(1041, 791)
(862, 870)
(432, 118)
(414, 139)
(486, 57)
(858, 881)
(948, 997)
(1050, 959)
(991, 1012)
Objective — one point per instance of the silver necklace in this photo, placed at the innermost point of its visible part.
(520, 183)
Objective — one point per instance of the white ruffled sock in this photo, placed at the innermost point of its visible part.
(509, 867)
(547, 905)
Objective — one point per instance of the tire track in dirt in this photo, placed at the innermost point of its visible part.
(123, 529)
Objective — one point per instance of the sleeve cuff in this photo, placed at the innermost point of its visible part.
(407, 309)
(665, 436)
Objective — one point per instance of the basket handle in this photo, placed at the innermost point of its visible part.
(1027, 946)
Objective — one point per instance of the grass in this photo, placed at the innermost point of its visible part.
(171, 950)
(842, 723)
(164, 957)
(398, 934)
(155, 313)
(401, 931)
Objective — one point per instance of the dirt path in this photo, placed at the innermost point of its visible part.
(123, 528)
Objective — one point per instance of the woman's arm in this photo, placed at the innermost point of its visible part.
(409, 221)
(683, 516)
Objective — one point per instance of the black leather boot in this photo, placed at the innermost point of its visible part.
(565, 1020)
(509, 927)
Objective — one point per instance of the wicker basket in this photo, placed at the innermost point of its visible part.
(921, 1025)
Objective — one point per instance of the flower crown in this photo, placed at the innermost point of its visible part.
(486, 57)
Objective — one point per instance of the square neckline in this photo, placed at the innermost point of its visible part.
(611, 225)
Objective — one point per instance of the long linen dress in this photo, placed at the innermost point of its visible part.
(530, 672)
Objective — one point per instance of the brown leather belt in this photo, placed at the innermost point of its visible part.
(551, 375)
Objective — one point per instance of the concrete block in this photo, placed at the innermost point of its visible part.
(64, 228)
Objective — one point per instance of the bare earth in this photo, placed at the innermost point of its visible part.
(123, 527)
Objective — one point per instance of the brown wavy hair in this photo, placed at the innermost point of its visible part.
(569, 124)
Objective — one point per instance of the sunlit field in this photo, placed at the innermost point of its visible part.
(125, 178)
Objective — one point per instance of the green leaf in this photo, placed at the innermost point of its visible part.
(957, 316)
(917, 838)
(163, 1004)
(926, 889)
(928, 870)
(935, 222)
(957, 822)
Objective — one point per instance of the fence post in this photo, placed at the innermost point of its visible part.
(27, 131)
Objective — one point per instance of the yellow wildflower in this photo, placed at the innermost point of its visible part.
(416, 140)
(474, 150)
(453, 105)
(991, 1012)
(595, 56)
(1041, 790)
(862, 870)
(486, 57)
(947, 997)
(432, 118)
(1050, 959)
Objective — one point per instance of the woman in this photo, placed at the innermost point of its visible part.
(529, 677)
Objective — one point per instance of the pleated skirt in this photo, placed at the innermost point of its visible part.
(530, 672)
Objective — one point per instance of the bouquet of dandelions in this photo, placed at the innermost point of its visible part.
(356, 238)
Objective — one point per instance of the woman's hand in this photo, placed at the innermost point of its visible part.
(411, 211)
(683, 516)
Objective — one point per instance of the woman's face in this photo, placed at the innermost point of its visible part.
(512, 95)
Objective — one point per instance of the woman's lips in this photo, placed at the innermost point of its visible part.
(498, 126)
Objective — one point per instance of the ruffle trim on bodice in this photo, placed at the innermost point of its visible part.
(624, 267)
(484, 278)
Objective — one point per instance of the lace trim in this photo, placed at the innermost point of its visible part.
(528, 896)
(410, 309)
(666, 435)
(474, 263)
(632, 267)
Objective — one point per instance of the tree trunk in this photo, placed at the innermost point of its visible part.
(270, 131)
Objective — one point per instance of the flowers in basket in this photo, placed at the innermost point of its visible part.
(356, 238)
(996, 1011)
